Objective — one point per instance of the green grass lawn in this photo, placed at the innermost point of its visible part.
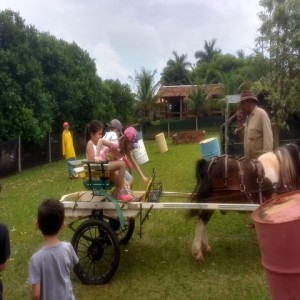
(157, 266)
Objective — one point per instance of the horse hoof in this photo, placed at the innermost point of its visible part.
(197, 254)
(199, 257)
(207, 249)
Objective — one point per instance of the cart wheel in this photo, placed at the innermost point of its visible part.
(98, 250)
(124, 235)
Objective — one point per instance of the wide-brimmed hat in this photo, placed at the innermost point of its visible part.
(248, 95)
(116, 124)
(132, 136)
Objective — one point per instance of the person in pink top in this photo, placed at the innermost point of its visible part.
(115, 131)
(117, 149)
(116, 167)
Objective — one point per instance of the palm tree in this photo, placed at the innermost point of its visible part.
(197, 101)
(146, 89)
(208, 53)
(177, 71)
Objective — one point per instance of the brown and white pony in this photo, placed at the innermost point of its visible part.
(224, 179)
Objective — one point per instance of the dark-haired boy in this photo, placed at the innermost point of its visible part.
(4, 252)
(49, 269)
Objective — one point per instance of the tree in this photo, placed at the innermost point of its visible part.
(70, 77)
(197, 101)
(145, 91)
(25, 107)
(239, 73)
(279, 44)
(240, 69)
(177, 71)
(45, 81)
(122, 100)
(208, 53)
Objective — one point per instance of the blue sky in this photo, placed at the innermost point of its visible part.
(124, 36)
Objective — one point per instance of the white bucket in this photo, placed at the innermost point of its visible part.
(140, 154)
(209, 148)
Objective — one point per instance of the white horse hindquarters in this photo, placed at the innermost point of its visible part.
(271, 166)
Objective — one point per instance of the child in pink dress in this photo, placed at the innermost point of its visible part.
(118, 149)
(94, 133)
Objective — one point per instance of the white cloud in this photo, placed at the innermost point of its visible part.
(124, 37)
(108, 63)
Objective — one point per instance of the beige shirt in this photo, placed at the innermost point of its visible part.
(258, 135)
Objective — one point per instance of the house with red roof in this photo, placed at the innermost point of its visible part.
(172, 100)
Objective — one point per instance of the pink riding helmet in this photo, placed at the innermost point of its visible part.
(132, 136)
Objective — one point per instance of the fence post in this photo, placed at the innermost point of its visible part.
(19, 155)
(196, 123)
(168, 129)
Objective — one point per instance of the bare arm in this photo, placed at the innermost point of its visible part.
(137, 167)
(36, 292)
(90, 151)
(101, 143)
(99, 146)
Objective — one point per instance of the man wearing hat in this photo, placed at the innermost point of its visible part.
(254, 126)
(68, 150)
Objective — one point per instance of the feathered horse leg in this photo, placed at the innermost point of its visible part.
(200, 242)
(197, 242)
(205, 246)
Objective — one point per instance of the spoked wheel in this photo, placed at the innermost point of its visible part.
(125, 234)
(98, 250)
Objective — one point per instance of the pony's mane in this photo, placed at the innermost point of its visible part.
(289, 159)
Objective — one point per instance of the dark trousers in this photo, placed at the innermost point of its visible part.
(1, 289)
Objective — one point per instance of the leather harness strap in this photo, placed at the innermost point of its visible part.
(212, 161)
(260, 177)
(226, 170)
(259, 169)
(256, 165)
(241, 175)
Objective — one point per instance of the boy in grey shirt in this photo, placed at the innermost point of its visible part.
(49, 269)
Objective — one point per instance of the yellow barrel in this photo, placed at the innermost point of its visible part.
(161, 142)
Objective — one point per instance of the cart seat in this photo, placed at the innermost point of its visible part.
(97, 178)
(95, 175)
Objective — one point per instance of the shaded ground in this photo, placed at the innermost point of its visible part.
(189, 137)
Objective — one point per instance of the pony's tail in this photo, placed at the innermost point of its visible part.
(202, 187)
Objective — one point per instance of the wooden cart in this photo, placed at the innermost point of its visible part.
(101, 223)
